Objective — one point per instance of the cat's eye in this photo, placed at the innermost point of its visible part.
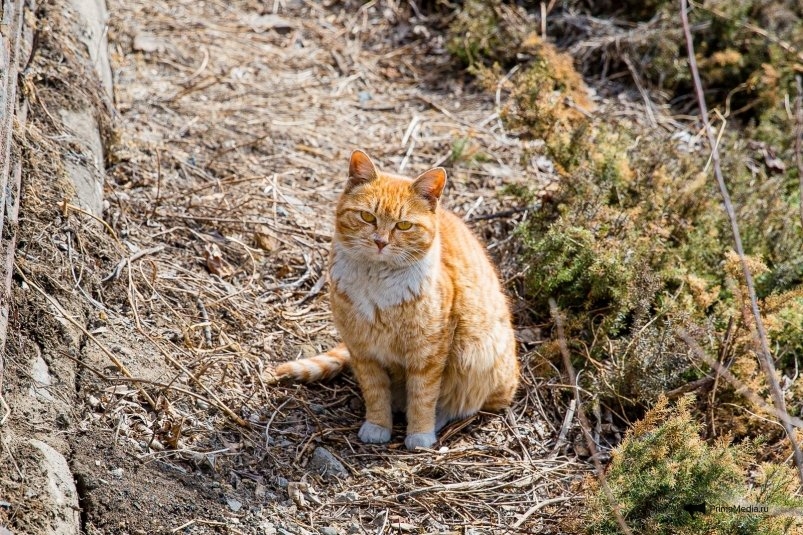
(368, 217)
(404, 225)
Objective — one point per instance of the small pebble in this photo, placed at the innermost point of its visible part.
(326, 464)
(234, 505)
(347, 497)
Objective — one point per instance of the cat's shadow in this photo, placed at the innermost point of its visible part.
(332, 412)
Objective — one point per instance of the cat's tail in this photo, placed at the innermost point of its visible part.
(323, 366)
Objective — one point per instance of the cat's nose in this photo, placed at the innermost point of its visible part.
(380, 242)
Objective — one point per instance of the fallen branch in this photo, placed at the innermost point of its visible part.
(505, 213)
(66, 207)
(455, 487)
(741, 388)
(16, 40)
(539, 505)
(798, 134)
(689, 387)
(118, 270)
(6, 410)
(584, 425)
(564, 429)
(207, 325)
(764, 354)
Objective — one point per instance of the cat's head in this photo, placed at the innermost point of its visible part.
(386, 218)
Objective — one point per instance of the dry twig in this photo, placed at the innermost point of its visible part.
(798, 135)
(765, 356)
(584, 424)
(740, 387)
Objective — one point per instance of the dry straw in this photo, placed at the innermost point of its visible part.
(231, 138)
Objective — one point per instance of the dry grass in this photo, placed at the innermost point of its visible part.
(233, 131)
(233, 126)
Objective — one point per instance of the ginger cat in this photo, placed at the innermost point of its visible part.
(425, 324)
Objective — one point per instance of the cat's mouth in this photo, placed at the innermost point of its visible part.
(384, 254)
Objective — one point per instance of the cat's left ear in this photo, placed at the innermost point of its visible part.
(430, 185)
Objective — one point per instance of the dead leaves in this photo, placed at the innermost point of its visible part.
(264, 241)
(215, 263)
(300, 492)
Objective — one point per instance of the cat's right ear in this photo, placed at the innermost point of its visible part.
(361, 170)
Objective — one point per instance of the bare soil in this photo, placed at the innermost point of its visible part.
(226, 148)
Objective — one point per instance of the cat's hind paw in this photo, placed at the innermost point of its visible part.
(371, 433)
(420, 440)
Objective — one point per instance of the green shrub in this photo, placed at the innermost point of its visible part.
(481, 33)
(635, 243)
(663, 466)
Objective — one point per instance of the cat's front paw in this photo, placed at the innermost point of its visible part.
(373, 434)
(420, 440)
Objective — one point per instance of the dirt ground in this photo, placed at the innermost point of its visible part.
(226, 148)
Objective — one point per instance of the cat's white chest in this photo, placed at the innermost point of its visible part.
(372, 286)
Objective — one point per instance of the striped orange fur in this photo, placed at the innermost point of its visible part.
(425, 324)
(323, 366)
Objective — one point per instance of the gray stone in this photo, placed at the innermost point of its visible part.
(347, 497)
(93, 34)
(86, 168)
(234, 504)
(326, 464)
(289, 529)
(329, 531)
(40, 374)
(62, 497)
